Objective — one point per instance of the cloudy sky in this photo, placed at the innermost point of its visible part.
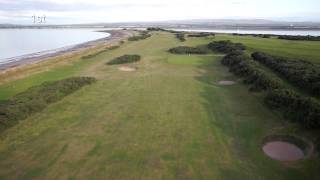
(92, 11)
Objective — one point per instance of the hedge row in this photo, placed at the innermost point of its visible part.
(303, 74)
(241, 65)
(226, 46)
(202, 34)
(124, 59)
(188, 50)
(37, 98)
(299, 109)
(143, 35)
(300, 38)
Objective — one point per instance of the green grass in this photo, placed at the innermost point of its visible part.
(168, 120)
(307, 50)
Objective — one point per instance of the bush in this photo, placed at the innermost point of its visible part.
(143, 35)
(305, 111)
(180, 36)
(202, 34)
(303, 74)
(155, 29)
(300, 38)
(37, 98)
(124, 59)
(241, 65)
(226, 46)
(188, 50)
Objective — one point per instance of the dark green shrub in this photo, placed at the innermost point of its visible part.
(303, 74)
(37, 98)
(124, 59)
(188, 50)
(202, 34)
(303, 110)
(300, 38)
(226, 46)
(241, 65)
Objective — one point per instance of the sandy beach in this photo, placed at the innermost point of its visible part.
(115, 37)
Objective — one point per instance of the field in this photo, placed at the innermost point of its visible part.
(170, 119)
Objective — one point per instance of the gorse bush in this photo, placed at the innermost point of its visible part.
(299, 109)
(143, 35)
(155, 29)
(300, 38)
(303, 74)
(226, 46)
(180, 36)
(188, 50)
(241, 65)
(202, 34)
(124, 59)
(37, 98)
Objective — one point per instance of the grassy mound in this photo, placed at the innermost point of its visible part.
(124, 59)
(37, 98)
(188, 50)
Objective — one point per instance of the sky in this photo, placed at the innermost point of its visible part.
(99, 11)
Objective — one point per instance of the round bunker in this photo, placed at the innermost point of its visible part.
(226, 83)
(286, 148)
(128, 69)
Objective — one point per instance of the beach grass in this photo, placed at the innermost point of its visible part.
(170, 119)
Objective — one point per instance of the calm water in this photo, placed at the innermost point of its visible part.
(275, 32)
(20, 42)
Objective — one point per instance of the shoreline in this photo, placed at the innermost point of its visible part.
(114, 37)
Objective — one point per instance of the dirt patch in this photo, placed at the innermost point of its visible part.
(127, 69)
(286, 148)
(226, 83)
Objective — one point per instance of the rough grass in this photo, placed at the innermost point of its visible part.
(169, 120)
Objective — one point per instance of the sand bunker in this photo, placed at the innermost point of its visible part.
(226, 83)
(283, 151)
(128, 69)
(285, 148)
